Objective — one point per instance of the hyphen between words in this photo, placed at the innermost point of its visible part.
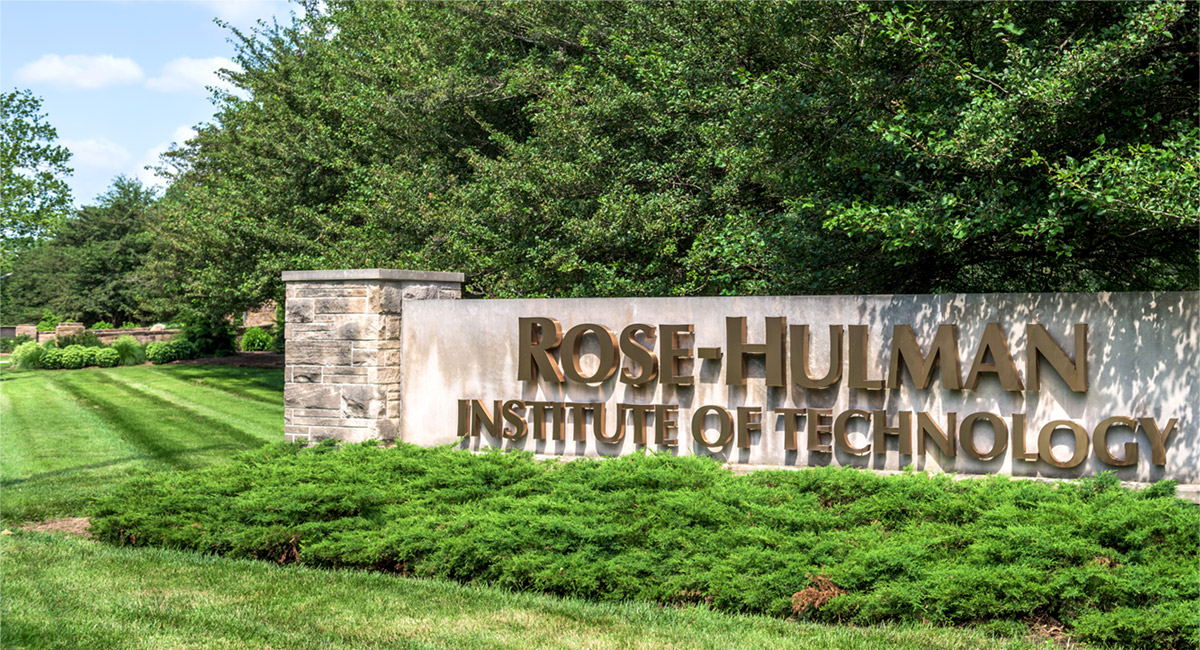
(785, 352)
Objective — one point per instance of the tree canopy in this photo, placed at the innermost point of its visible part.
(92, 267)
(571, 149)
(34, 194)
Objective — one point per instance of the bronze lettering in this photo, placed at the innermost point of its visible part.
(579, 419)
(927, 428)
(638, 413)
(490, 421)
(539, 420)
(535, 347)
(903, 430)
(943, 351)
(724, 419)
(674, 354)
(791, 417)
(858, 360)
(749, 418)
(520, 427)
(1047, 452)
(601, 429)
(464, 417)
(737, 349)
(966, 436)
(1039, 343)
(639, 354)
(842, 437)
(1158, 441)
(666, 421)
(607, 355)
(799, 360)
(816, 427)
(1018, 440)
(1100, 441)
(994, 344)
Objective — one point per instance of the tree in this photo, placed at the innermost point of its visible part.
(33, 190)
(92, 268)
(574, 149)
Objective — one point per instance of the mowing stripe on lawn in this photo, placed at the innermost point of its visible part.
(253, 424)
(165, 443)
(222, 378)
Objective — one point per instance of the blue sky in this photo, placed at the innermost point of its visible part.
(121, 81)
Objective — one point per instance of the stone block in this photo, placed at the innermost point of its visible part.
(358, 423)
(340, 305)
(345, 379)
(325, 290)
(317, 353)
(383, 375)
(346, 434)
(383, 429)
(320, 396)
(365, 357)
(360, 327)
(303, 374)
(298, 310)
(365, 401)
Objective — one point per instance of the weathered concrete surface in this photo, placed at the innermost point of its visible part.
(1142, 352)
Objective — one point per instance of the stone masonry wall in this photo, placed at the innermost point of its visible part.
(342, 373)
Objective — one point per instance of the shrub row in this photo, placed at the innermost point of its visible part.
(829, 544)
(168, 351)
(255, 339)
(125, 351)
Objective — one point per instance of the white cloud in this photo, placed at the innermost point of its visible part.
(96, 153)
(150, 158)
(80, 71)
(244, 13)
(191, 75)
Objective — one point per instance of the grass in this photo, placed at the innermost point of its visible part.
(70, 436)
(69, 593)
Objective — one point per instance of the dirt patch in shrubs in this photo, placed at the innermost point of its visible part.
(71, 525)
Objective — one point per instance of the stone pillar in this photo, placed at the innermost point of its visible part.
(342, 350)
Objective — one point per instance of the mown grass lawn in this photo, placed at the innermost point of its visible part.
(70, 435)
(67, 437)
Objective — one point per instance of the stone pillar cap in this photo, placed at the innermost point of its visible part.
(371, 274)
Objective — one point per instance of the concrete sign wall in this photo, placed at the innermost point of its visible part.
(1053, 385)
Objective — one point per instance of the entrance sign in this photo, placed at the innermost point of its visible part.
(1053, 385)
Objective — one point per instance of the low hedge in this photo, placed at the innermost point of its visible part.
(822, 543)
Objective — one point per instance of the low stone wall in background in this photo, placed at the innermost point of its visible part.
(107, 336)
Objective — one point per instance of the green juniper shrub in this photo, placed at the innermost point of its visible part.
(184, 349)
(91, 356)
(255, 339)
(824, 544)
(28, 355)
(130, 352)
(106, 357)
(8, 345)
(101, 325)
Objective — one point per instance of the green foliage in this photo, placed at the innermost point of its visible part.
(33, 187)
(101, 325)
(52, 356)
(28, 355)
(74, 357)
(129, 350)
(105, 357)
(129, 325)
(255, 338)
(8, 345)
(681, 529)
(85, 338)
(588, 149)
(49, 321)
(160, 352)
(92, 266)
(209, 335)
